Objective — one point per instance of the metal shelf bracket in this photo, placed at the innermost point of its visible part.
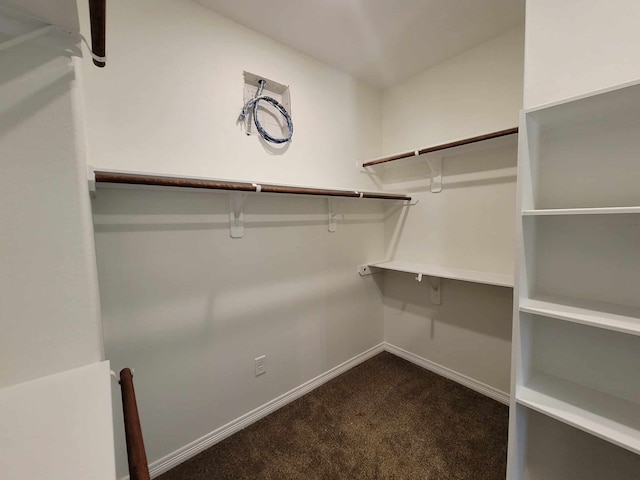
(436, 290)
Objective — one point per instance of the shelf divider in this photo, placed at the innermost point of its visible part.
(586, 312)
(606, 416)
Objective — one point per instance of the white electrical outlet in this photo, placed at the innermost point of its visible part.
(261, 365)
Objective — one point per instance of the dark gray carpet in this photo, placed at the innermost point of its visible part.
(384, 419)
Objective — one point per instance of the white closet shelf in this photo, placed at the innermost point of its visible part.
(606, 416)
(586, 312)
(582, 211)
(488, 278)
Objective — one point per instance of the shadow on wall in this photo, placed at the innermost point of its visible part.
(397, 217)
(27, 87)
(484, 309)
(189, 307)
(131, 210)
(494, 163)
(274, 148)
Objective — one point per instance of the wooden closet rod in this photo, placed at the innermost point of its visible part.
(138, 466)
(98, 19)
(136, 179)
(444, 146)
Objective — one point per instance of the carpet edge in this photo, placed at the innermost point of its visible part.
(177, 457)
(483, 388)
(190, 450)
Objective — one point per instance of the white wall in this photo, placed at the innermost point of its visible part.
(169, 100)
(476, 92)
(470, 224)
(576, 46)
(184, 304)
(54, 396)
(190, 308)
(48, 290)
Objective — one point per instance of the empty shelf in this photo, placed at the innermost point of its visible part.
(610, 418)
(582, 211)
(586, 312)
(489, 278)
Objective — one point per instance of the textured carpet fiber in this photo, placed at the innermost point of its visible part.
(384, 419)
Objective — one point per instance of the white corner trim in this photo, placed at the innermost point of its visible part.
(167, 462)
(469, 382)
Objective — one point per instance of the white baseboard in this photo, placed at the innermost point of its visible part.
(469, 382)
(167, 462)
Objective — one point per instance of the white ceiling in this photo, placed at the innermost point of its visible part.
(380, 41)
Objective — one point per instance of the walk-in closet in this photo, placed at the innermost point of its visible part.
(302, 240)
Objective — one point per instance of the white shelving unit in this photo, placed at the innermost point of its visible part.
(581, 211)
(566, 375)
(488, 278)
(576, 336)
(556, 451)
(464, 234)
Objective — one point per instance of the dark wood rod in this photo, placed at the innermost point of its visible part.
(444, 146)
(98, 17)
(384, 196)
(105, 177)
(138, 466)
(135, 179)
(309, 191)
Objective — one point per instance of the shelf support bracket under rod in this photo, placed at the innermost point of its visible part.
(236, 214)
(334, 206)
(435, 167)
(436, 290)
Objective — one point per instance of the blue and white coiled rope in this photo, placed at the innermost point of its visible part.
(253, 105)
